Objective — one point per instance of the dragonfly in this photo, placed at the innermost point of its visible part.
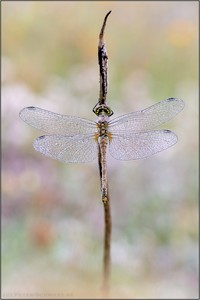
(132, 136)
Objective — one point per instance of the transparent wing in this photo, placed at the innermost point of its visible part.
(77, 149)
(141, 145)
(53, 123)
(148, 118)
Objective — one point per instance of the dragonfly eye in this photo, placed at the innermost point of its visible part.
(103, 109)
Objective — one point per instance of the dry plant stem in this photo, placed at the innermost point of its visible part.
(103, 67)
(103, 64)
(107, 239)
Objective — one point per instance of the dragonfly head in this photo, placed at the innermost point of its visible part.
(102, 110)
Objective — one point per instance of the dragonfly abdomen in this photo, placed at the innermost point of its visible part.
(103, 144)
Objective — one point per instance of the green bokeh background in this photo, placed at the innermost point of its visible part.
(52, 216)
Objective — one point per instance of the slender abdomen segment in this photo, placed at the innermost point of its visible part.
(103, 143)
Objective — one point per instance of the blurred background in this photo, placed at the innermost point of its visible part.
(52, 215)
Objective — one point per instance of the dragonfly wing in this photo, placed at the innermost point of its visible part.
(141, 145)
(53, 123)
(77, 149)
(148, 118)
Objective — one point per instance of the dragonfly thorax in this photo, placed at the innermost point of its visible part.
(102, 126)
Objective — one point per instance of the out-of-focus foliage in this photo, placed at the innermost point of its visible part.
(52, 214)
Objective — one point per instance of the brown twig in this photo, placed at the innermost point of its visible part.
(103, 70)
(107, 247)
(102, 102)
(107, 239)
(103, 64)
